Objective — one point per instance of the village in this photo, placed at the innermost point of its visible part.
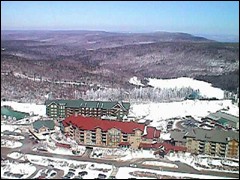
(104, 137)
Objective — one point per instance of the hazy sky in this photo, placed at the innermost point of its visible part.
(190, 17)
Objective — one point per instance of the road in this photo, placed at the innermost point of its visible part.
(183, 168)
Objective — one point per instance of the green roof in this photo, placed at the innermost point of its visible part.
(12, 113)
(193, 95)
(214, 135)
(89, 104)
(223, 116)
(44, 123)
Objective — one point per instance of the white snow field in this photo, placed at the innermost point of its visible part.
(205, 88)
(123, 173)
(15, 155)
(10, 144)
(134, 80)
(158, 163)
(206, 161)
(158, 112)
(26, 169)
(93, 169)
(7, 127)
(26, 107)
(121, 154)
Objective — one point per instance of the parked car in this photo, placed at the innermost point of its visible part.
(101, 176)
(72, 170)
(70, 174)
(77, 177)
(82, 173)
(53, 174)
(132, 165)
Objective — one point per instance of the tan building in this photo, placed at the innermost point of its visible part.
(210, 142)
(97, 132)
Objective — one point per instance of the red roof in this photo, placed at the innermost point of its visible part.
(145, 145)
(65, 123)
(90, 123)
(152, 132)
(167, 146)
(124, 144)
(62, 145)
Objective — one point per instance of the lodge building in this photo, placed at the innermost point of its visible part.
(66, 108)
(107, 133)
(213, 142)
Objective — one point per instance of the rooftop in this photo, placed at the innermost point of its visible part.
(167, 146)
(89, 104)
(214, 135)
(90, 123)
(152, 132)
(44, 123)
(12, 113)
(216, 116)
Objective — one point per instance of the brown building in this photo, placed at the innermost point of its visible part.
(66, 108)
(97, 132)
(211, 142)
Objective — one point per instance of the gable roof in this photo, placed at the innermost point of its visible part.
(218, 115)
(89, 104)
(167, 146)
(12, 113)
(43, 123)
(152, 132)
(177, 136)
(90, 123)
(214, 135)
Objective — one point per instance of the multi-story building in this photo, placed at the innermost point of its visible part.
(97, 132)
(9, 113)
(212, 142)
(66, 108)
(225, 119)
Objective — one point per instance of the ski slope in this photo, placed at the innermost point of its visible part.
(205, 88)
(158, 112)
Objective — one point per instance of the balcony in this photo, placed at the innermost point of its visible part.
(222, 152)
(222, 148)
(213, 147)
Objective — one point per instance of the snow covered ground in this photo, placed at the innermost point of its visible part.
(135, 81)
(28, 120)
(93, 169)
(206, 162)
(16, 137)
(121, 154)
(158, 163)
(204, 88)
(7, 127)
(60, 151)
(123, 173)
(10, 144)
(159, 112)
(15, 155)
(26, 107)
(17, 168)
(165, 136)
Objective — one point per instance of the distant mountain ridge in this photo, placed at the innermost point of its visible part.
(126, 38)
(110, 58)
